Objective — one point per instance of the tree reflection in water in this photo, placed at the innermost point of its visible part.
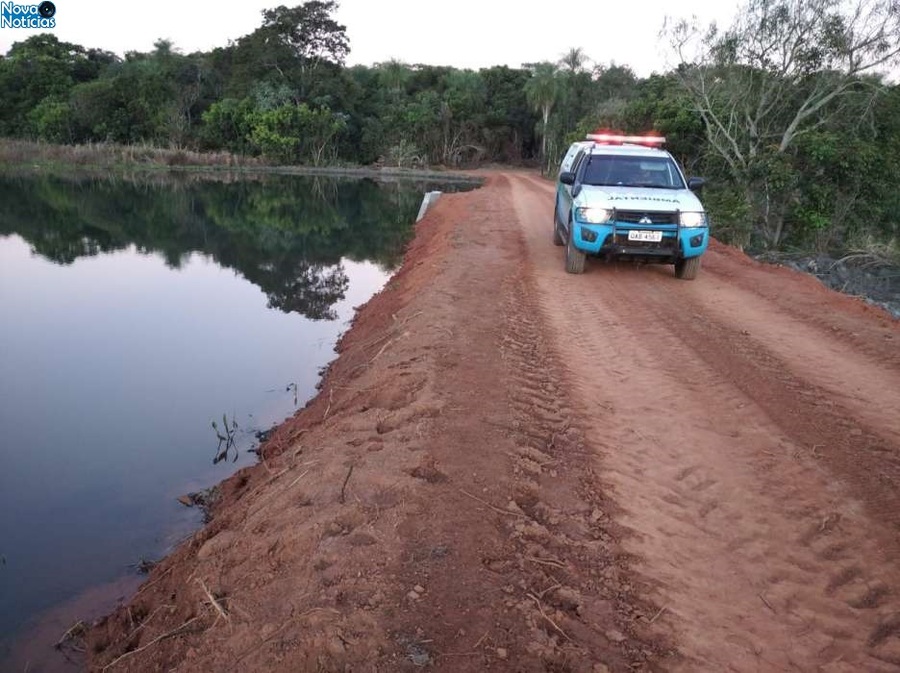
(285, 234)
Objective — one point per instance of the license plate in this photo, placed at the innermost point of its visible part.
(640, 235)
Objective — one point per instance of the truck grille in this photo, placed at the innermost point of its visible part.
(635, 217)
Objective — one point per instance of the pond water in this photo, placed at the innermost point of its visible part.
(137, 312)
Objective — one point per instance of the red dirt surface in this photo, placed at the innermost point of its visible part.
(510, 468)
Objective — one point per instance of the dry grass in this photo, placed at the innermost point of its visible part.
(19, 152)
(17, 156)
(874, 252)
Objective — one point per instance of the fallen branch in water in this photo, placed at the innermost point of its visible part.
(77, 629)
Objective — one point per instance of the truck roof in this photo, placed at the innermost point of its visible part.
(624, 149)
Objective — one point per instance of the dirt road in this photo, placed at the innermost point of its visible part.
(511, 468)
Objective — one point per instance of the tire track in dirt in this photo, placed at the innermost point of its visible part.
(504, 532)
(568, 535)
(554, 591)
(841, 319)
(833, 403)
(767, 553)
(868, 385)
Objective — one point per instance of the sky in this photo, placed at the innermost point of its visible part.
(460, 33)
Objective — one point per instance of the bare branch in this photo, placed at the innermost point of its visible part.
(783, 69)
(783, 64)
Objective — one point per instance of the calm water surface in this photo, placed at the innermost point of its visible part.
(133, 314)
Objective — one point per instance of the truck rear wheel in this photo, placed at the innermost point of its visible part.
(687, 268)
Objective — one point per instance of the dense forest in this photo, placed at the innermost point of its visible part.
(789, 113)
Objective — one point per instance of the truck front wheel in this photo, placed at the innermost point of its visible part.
(574, 257)
(687, 268)
(557, 239)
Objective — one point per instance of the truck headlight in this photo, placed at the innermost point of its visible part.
(694, 219)
(593, 215)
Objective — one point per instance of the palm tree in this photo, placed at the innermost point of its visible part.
(574, 60)
(542, 91)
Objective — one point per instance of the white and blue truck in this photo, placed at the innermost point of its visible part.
(620, 196)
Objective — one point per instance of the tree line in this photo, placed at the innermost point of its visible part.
(788, 113)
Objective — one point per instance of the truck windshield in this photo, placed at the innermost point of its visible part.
(632, 171)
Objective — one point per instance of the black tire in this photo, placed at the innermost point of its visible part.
(687, 269)
(557, 239)
(574, 257)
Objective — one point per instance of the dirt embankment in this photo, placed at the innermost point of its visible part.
(511, 468)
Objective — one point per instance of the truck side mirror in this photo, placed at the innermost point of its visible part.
(696, 184)
(567, 178)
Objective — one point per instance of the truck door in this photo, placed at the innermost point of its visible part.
(564, 193)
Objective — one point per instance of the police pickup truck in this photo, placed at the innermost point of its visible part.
(623, 196)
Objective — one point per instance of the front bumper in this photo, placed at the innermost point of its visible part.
(611, 239)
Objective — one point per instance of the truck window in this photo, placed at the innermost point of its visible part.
(632, 171)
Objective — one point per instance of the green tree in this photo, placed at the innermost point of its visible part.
(297, 133)
(577, 98)
(461, 113)
(50, 120)
(660, 104)
(132, 103)
(784, 69)
(313, 37)
(574, 60)
(611, 89)
(38, 68)
(227, 125)
(250, 61)
(508, 123)
(393, 76)
(542, 91)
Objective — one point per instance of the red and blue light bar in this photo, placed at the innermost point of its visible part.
(619, 139)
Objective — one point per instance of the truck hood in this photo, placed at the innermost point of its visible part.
(638, 198)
